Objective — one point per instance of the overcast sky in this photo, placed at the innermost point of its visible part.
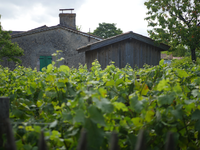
(23, 15)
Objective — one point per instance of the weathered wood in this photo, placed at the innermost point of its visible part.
(138, 53)
(42, 144)
(106, 55)
(134, 53)
(170, 145)
(129, 54)
(143, 54)
(120, 38)
(4, 108)
(87, 61)
(4, 114)
(115, 55)
(120, 57)
(102, 58)
(141, 145)
(148, 51)
(123, 56)
(159, 55)
(146, 54)
(110, 55)
(82, 145)
(114, 142)
(9, 135)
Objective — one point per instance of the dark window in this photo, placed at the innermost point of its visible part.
(45, 61)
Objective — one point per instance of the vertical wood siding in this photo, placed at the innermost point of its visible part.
(132, 52)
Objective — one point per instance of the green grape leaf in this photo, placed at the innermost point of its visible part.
(197, 125)
(110, 83)
(37, 129)
(177, 114)
(136, 105)
(53, 124)
(35, 148)
(55, 135)
(66, 116)
(104, 104)
(196, 93)
(145, 89)
(163, 85)
(182, 73)
(166, 99)
(119, 105)
(95, 135)
(79, 117)
(149, 115)
(119, 81)
(19, 144)
(96, 116)
(60, 84)
(161, 62)
(52, 94)
(177, 88)
(103, 92)
(64, 68)
(19, 114)
(137, 121)
(49, 68)
(27, 147)
(196, 115)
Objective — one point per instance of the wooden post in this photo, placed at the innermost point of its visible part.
(114, 142)
(140, 145)
(42, 144)
(9, 135)
(82, 144)
(4, 114)
(170, 144)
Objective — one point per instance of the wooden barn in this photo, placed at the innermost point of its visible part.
(128, 48)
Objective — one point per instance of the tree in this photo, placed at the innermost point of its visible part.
(106, 30)
(8, 49)
(180, 51)
(175, 22)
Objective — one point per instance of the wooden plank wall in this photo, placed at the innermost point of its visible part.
(130, 51)
(90, 56)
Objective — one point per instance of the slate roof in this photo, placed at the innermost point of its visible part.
(121, 37)
(16, 34)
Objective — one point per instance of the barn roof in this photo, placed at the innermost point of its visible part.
(16, 34)
(121, 37)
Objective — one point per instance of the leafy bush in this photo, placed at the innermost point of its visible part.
(61, 101)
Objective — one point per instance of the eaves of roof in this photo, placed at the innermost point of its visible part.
(121, 37)
(45, 28)
(15, 32)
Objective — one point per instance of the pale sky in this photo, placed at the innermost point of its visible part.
(23, 15)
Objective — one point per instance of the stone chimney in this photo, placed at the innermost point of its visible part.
(68, 19)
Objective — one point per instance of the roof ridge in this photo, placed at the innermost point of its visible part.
(46, 28)
(121, 37)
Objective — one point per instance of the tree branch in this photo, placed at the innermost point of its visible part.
(179, 16)
(190, 20)
(183, 19)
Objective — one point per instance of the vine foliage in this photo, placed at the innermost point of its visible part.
(62, 101)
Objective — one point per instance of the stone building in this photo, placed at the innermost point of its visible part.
(39, 44)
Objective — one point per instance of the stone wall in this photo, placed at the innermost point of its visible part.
(46, 43)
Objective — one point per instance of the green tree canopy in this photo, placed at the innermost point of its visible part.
(175, 22)
(180, 51)
(8, 49)
(106, 30)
